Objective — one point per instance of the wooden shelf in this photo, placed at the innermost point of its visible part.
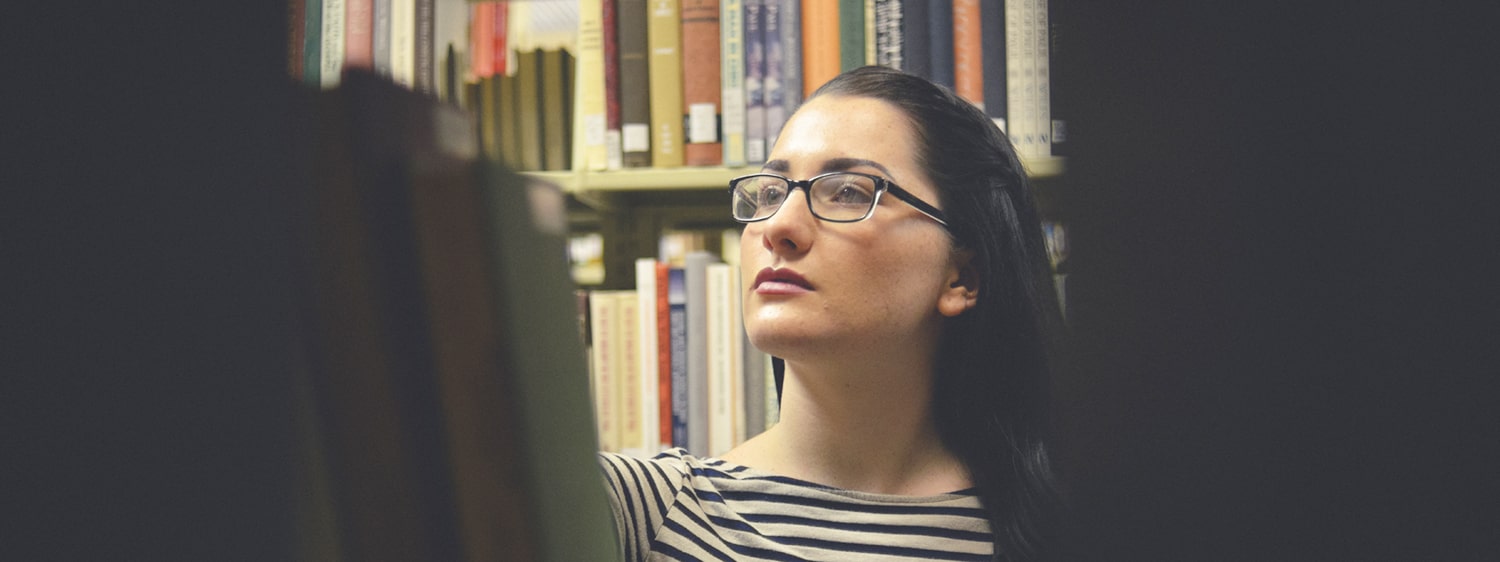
(653, 179)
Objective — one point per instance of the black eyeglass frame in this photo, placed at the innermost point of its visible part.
(882, 185)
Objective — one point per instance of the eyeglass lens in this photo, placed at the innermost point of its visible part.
(836, 197)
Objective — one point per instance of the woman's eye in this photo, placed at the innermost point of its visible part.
(851, 194)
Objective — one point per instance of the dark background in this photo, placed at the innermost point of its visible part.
(1282, 324)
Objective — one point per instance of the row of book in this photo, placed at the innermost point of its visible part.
(670, 364)
(670, 83)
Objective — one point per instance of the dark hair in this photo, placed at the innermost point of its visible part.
(991, 394)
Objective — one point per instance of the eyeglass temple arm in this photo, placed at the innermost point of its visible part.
(920, 205)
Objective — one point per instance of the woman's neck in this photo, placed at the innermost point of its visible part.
(867, 428)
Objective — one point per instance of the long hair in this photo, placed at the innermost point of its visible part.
(991, 392)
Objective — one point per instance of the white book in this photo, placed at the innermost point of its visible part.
(603, 374)
(732, 78)
(694, 273)
(632, 431)
(332, 54)
(647, 358)
(403, 42)
(726, 420)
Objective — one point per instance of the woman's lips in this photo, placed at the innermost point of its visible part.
(780, 281)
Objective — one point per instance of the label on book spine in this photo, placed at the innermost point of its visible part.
(703, 123)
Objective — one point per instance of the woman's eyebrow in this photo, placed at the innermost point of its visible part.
(831, 165)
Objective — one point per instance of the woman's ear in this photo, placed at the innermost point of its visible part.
(961, 292)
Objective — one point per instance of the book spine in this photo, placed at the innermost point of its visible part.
(380, 36)
(1058, 115)
(592, 121)
(627, 346)
(499, 48)
(556, 73)
(869, 35)
(888, 35)
(992, 37)
(755, 89)
(647, 355)
(613, 157)
(1043, 88)
(359, 25)
(312, 43)
(732, 74)
(695, 272)
(528, 108)
(940, 41)
(424, 53)
(332, 52)
(791, 55)
(664, 41)
(403, 46)
(968, 61)
(481, 33)
(663, 354)
(851, 34)
(602, 354)
(774, 82)
(296, 32)
(635, 106)
(677, 317)
(701, 85)
(820, 52)
(722, 394)
(916, 46)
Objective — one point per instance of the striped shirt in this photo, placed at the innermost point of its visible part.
(680, 507)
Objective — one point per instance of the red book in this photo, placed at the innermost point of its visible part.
(701, 88)
(359, 34)
(499, 59)
(611, 75)
(482, 34)
(968, 61)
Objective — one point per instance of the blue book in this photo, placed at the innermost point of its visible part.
(940, 41)
(791, 54)
(677, 316)
(774, 84)
(755, 81)
(916, 57)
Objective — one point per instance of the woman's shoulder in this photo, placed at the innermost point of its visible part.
(668, 470)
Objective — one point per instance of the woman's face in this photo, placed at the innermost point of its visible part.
(822, 289)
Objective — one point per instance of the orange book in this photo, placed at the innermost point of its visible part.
(968, 61)
(820, 44)
(701, 87)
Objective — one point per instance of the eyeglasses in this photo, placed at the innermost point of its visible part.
(833, 197)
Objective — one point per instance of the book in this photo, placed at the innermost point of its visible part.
(613, 155)
(888, 35)
(664, 61)
(572, 520)
(916, 45)
(992, 38)
(820, 55)
(791, 56)
(331, 50)
(663, 353)
(359, 34)
(968, 52)
(677, 320)
(312, 43)
(701, 86)
(732, 75)
(774, 82)
(380, 37)
(424, 52)
(725, 360)
(940, 42)
(632, 395)
(635, 101)
(755, 85)
(403, 42)
(605, 370)
(528, 110)
(695, 286)
(648, 356)
(296, 30)
(482, 31)
(592, 122)
(1029, 121)
(869, 34)
(556, 108)
(851, 34)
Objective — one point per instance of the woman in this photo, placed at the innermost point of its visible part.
(906, 289)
